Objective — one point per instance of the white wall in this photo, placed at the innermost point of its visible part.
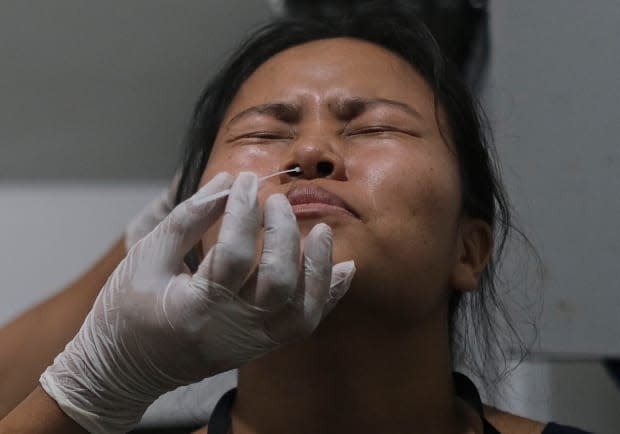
(51, 233)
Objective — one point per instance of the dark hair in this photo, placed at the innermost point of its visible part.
(482, 191)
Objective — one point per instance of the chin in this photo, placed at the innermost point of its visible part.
(381, 294)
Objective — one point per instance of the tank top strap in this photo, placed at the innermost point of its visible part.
(466, 390)
(219, 421)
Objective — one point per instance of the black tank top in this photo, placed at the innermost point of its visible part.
(219, 422)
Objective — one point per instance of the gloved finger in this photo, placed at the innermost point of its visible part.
(230, 260)
(303, 313)
(342, 275)
(170, 241)
(278, 269)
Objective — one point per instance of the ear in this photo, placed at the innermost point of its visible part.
(474, 248)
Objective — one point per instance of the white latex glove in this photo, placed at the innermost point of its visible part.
(152, 214)
(152, 329)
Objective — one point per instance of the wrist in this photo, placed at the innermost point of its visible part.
(102, 390)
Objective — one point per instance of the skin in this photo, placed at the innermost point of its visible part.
(39, 414)
(380, 362)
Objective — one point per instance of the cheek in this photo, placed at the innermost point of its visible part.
(417, 214)
(240, 159)
(407, 253)
(404, 183)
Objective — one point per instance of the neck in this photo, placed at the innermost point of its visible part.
(353, 375)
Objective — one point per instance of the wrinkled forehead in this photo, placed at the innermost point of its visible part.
(328, 70)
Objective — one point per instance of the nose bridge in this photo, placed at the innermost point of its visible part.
(315, 137)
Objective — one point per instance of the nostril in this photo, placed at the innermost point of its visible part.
(324, 168)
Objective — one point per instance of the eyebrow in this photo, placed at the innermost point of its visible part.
(349, 108)
(282, 111)
(343, 108)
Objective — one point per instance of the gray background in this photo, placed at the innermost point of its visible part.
(95, 96)
(95, 90)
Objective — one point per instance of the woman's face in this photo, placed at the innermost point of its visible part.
(360, 121)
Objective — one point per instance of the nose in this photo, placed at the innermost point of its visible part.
(316, 158)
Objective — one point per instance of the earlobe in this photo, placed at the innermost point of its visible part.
(475, 246)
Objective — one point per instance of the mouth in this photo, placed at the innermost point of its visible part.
(312, 201)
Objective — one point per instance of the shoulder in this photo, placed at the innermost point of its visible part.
(511, 423)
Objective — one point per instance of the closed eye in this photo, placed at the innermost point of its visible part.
(267, 135)
(377, 129)
(262, 135)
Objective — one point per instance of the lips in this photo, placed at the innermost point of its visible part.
(312, 194)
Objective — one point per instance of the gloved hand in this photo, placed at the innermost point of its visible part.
(153, 329)
(153, 213)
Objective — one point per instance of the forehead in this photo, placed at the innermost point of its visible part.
(332, 68)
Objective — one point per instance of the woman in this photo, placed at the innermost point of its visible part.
(396, 189)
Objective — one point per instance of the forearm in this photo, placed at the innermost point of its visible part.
(39, 414)
(31, 341)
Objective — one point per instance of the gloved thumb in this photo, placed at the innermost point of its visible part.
(342, 275)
